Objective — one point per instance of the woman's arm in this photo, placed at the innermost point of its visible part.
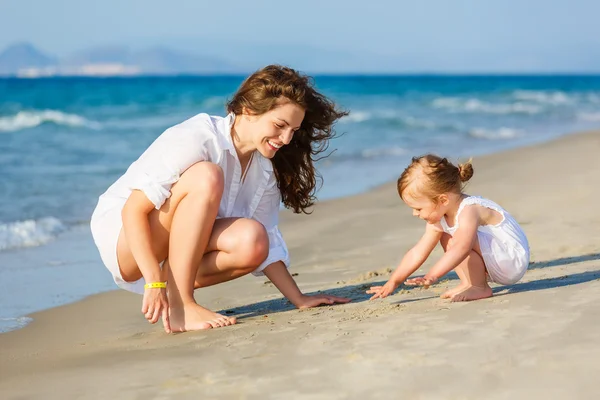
(281, 278)
(136, 228)
(137, 232)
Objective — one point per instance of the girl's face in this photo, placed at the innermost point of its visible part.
(275, 128)
(425, 208)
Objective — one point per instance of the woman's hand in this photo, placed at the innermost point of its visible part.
(154, 305)
(320, 299)
(382, 291)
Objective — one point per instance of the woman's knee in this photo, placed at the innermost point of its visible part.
(203, 178)
(253, 245)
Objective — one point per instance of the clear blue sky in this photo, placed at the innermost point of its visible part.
(418, 35)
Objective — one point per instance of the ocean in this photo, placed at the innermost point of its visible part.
(63, 141)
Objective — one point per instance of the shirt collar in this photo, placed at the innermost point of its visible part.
(227, 124)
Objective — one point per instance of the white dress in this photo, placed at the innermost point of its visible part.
(504, 246)
(200, 138)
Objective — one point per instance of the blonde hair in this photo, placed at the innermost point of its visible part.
(434, 176)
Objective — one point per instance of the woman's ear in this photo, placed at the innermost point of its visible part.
(247, 114)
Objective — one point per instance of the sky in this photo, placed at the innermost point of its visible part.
(375, 35)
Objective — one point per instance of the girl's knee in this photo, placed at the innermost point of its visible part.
(254, 244)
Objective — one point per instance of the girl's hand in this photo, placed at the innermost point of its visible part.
(382, 291)
(320, 299)
(155, 305)
(422, 281)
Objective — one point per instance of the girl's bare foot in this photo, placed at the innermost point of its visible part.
(451, 292)
(473, 293)
(193, 317)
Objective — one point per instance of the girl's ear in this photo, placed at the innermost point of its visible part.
(443, 199)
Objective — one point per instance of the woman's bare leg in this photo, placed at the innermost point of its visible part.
(182, 230)
(237, 247)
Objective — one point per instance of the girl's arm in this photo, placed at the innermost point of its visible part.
(281, 278)
(462, 244)
(411, 261)
(416, 256)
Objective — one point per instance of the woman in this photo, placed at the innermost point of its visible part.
(200, 206)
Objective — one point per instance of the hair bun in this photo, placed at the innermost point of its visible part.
(465, 171)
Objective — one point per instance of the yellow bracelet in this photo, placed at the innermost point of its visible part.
(155, 285)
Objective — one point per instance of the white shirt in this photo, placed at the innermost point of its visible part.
(206, 138)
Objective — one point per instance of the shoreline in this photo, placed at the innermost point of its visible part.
(534, 339)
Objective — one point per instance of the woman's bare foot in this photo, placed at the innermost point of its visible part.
(193, 317)
(473, 293)
(451, 292)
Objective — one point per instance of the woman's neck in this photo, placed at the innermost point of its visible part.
(244, 147)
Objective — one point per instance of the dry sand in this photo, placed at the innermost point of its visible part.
(536, 339)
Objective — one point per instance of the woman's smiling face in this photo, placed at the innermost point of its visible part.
(275, 128)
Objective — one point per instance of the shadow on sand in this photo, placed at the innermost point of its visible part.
(357, 292)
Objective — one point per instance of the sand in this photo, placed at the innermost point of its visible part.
(536, 339)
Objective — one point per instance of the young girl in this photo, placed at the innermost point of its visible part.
(478, 236)
(200, 206)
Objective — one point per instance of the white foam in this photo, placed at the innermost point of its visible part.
(31, 119)
(9, 324)
(593, 116)
(388, 151)
(593, 98)
(544, 97)
(393, 116)
(494, 134)
(357, 116)
(418, 123)
(471, 105)
(29, 233)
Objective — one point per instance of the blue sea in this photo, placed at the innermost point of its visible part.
(63, 141)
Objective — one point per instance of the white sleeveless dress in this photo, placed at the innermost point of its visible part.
(504, 246)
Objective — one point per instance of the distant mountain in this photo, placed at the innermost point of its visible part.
(98, 55)
(156, 60)
(26, 60)
(23, 55)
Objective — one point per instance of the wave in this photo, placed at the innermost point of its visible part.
(405, 121)
(458, 105)
(494, 134)
(593, 116)
(386, 151)
(357, 116)
(29, 233)
(544, 97)
(31, 119)
(8, 324)
(365, 154)
(593, 98)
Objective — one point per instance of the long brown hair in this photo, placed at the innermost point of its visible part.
(435, 175)
(294, 163)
